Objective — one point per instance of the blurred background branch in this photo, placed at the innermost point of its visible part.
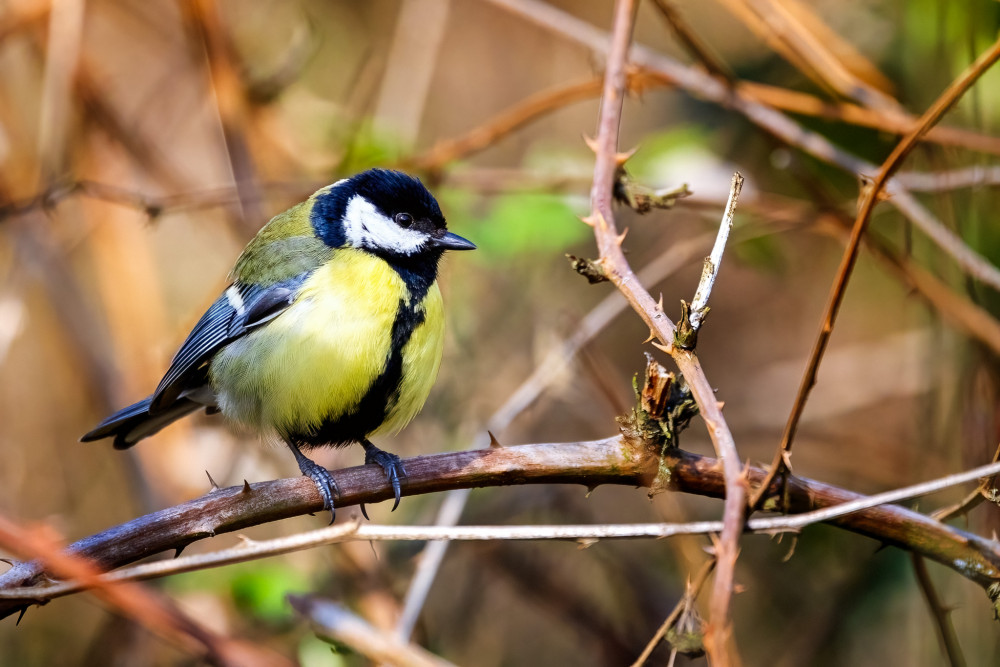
(141, 144)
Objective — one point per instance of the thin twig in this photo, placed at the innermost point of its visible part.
(152, 205)
(704, 86)
(503, 124)
(785, 32)
(692, 43)
(974, 497)
(941, 614)
(699, 304)
(969, 261)
(869, 199)
(143, 605)
(429, 563)
(691, 592)
(204, 24)
(954, 179)
(895, 122)
(336, 624)
(913, 491)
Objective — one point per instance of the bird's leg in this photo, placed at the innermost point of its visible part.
(320, 476)
(392, 466)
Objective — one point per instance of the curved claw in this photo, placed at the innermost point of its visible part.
(393, 467)
(327, 487)
(321, 477)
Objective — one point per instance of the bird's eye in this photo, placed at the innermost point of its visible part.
(404, 219)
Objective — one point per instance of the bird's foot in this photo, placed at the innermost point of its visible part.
(321, 477)
(393, 467)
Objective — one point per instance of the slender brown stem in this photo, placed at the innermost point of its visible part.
(145, 606)
(940, 613)
(336, 624)
(973, 498)
(692, 43)
(691, 593)
(870, 197)
(503, 124)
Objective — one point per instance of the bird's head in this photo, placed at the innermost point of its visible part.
(385, 212)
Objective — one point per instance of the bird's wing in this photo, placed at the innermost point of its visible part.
(238, 311)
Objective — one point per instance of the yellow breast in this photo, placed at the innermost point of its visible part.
(421, 360)
(313, 364)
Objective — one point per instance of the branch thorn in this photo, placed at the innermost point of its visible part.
(622, 158)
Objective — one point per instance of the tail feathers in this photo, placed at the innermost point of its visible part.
(132, 424)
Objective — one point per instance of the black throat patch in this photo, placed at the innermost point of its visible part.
(383, 393)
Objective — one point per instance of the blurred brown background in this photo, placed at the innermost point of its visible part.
(143, 143)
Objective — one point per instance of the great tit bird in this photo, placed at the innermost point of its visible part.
(330, 333)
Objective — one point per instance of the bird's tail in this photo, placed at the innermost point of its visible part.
(132, 424)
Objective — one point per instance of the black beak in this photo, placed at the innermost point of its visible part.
(452, 241)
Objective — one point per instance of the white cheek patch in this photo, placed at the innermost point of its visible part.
(365, 227)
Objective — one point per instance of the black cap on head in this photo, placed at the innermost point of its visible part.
(385, 212)
(394, 192)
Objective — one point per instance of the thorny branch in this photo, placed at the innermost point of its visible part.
(617, 269)
(615, 460)
(544, 375)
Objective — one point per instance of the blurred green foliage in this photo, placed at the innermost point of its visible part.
(528, 223)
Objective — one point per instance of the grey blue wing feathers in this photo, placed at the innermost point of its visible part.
(132, 424)
(184, 388)
(241, 308)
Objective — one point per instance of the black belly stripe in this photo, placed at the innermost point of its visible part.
(384, 391)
